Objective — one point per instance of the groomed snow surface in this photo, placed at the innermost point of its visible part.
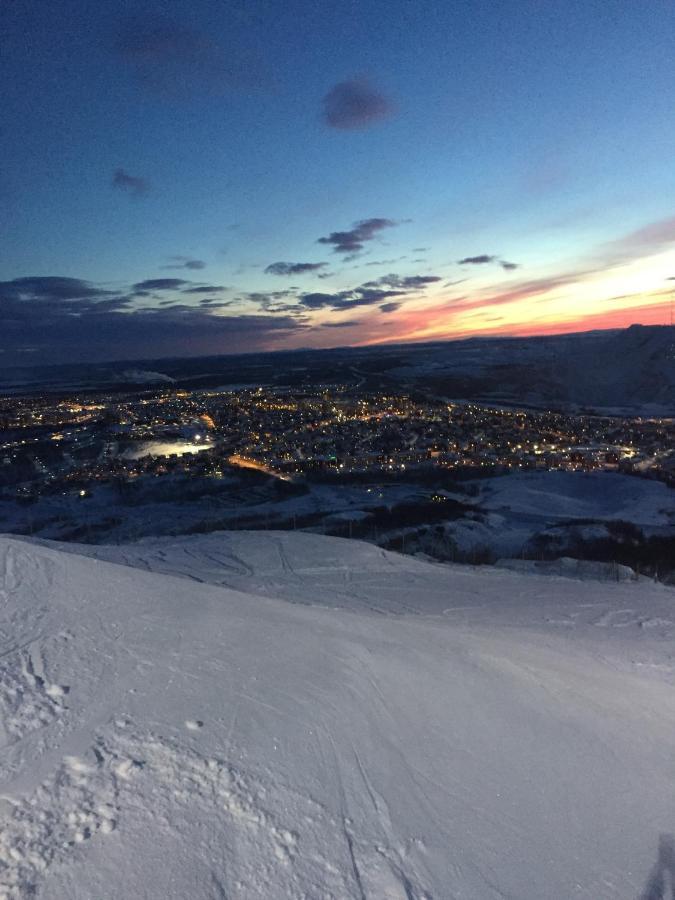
(272, 715)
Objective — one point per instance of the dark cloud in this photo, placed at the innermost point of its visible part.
(390, 307)
(204, 289)
(270, 301)
(477, 260)
(355, 103)
(484, 258)
(372, 293)
(319, 301)
(350, 323)
(70, 320)
(405, 283)
(174, 59)
(185, 262)
(160, 284)
(131, 183)
(51, 287)
(284, 268)
(352, 241)
(214, 302)
(362, 296)
(274, 302)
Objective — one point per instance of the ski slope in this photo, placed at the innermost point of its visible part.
(271, 715)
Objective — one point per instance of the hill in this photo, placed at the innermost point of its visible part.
(172, 726)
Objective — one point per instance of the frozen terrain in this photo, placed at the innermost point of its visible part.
(517, 507)
(564, 370)
(172, 726)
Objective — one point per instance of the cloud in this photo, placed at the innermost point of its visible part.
(349, 323)
(477, 260)
(215, 302)
(205, 289)
(646, 241)
(352, 241)
(160, 284)
(70, 320)
(390, 307)
(383, 262)
(51, 287)
(354, 104)
(485, 258)
(284, 268)
(272, 301)
(361, 296)
(184, 262)
(130, 183)
(406, 283)
(372, 293)
(174, 59)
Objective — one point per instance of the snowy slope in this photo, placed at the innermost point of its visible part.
(579, 369)
(449, 734)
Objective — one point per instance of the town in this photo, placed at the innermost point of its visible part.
(52, 445)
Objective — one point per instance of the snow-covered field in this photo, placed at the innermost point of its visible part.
(273, 715)
(521, 505)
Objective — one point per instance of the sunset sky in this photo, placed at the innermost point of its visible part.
(213, 177)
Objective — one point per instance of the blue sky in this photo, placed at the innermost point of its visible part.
(537, 134)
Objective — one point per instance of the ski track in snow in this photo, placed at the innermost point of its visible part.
(168, 737)
(85, 798)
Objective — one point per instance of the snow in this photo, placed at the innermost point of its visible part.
(172, 726)
(596, 495)
(566, 567)
(558, 371)
(521, 505)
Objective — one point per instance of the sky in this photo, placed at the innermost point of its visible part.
(187, 178)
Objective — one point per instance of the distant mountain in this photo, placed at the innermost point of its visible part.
(632, 369)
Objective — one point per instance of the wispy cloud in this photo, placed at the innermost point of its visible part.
(123, 181)
(649, 239)
(285, 268)
(205, 289)
(373, 293)
(185, 262)
(405, 283)
(160, 284)
(174, 59)
(485, 258)
(351, 242)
